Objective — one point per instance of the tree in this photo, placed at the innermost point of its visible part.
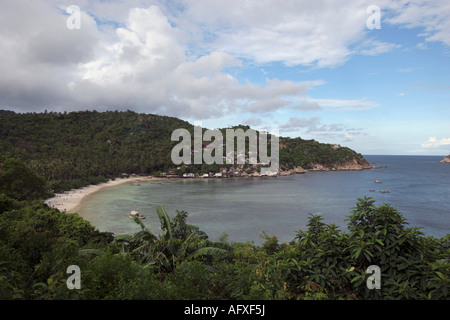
(178, 241)
(19, 182)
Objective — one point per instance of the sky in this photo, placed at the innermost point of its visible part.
(370, 75)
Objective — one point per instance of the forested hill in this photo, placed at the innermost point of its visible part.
(78, 148)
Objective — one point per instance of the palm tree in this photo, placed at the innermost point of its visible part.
(178, 241)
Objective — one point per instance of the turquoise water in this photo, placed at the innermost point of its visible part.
(244, 207)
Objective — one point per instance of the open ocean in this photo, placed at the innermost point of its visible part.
(243, 207)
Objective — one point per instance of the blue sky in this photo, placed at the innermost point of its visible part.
(307, 68)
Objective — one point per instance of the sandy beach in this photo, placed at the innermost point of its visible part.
(70, 201)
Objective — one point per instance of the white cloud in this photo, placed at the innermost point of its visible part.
(253, 121)
(307, 106)
(372, 47)
(343, 104)
(405, 69)
(149, 68)
(175, 58)
(145, 67)
(314, 127)
(433, 142)
(313, 124)
(294, 32)
(39, 54)
(432, 17)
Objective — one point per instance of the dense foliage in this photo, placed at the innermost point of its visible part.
(20, 182)
(305, 153)
(37, 244)
(64, 150)
(71, 150)
(80, 148)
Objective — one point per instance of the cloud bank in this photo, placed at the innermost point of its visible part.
(184, 58)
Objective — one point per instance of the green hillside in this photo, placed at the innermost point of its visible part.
(78, 148)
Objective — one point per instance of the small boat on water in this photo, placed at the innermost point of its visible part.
(384, 191)
(134, 214)
(377, 181)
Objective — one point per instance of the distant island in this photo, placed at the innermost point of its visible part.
(75, 149)
(445, 160)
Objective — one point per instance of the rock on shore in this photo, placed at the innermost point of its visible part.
(445, 160)
(296, 170)
(354, 164)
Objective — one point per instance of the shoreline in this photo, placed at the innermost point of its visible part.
(71, 201)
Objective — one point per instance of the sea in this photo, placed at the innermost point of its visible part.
(243, 209)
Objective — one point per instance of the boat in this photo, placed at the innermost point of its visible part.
(377, 181)
(384, 191)
(134, 214)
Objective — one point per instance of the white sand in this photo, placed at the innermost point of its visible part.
(70, 201)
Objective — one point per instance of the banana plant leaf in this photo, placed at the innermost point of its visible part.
(165, 223)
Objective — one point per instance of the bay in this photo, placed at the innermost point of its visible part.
(245, 207)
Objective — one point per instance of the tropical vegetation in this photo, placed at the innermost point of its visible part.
(55, 151)
(38, 244)
(74, 149)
